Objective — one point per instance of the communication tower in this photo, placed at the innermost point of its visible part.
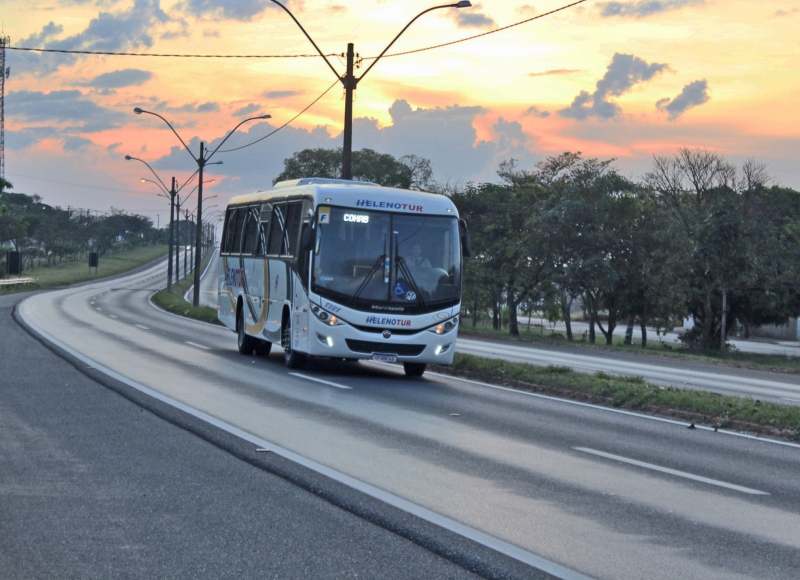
(4, 72)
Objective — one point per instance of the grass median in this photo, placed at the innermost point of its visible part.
(734, 358)
(173, 301)
(70, 273)
(636, 394)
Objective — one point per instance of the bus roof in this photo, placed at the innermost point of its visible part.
(356, 194)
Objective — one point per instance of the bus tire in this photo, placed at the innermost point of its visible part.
(246, 343)
(292, 359)
(414, 369)
(263, 348)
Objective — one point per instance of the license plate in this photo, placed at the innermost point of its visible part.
(379, 356)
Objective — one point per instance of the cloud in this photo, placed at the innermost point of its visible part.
(129, 77)
(337, 8)
(281, 94)
(526, 10)
(692, 95)
(28, 136)
(209, 33)
(784, 13)
(471, 19)
(108, 32)
(70, 108)
(241, 10)
(622, 74)
(246, 110)
(535, 111)
(75, 143)
(643, 8)
(209, 107)
(446, 136)
(555, 71)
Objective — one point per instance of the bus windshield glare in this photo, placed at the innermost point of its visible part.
(408, 263)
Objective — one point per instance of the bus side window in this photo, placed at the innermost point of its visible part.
(263, 230)
(294, 215)
(230, 218)
(230, 230)
(276, 230)
(250, 232)
(236, 234)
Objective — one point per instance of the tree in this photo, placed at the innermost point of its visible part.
(409, 172)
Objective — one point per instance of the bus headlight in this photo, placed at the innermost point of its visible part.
(333, 320)
(445, 327)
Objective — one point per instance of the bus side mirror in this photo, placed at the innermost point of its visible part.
(307, 239)
(466, 241)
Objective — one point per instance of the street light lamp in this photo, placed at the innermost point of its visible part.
(201, 161)
(172, 195)
(350, 81)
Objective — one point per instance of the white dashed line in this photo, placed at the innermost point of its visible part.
(112, 316)
(140, 326)
(321, 381)
(671, 471)
(197, 345)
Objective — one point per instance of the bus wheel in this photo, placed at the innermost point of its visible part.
(293, 360)
(414, 369)
(246, 343)
(263, 348)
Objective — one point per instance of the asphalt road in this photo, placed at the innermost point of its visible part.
(565, 487)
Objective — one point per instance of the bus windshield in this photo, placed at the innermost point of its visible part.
(406, 263)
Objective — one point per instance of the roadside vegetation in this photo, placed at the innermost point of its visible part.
(173, 301)
(635, 394)
(73, 272)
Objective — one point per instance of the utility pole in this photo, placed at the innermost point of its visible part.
(201, 162)
(350, 83)
(4, 74)
(172, 194)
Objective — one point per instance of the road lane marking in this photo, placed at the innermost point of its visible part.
(99, 309)
(482, 538)
(112, 316)
(197, 345)
(790, 399)
(140, 326)
(671, 471)
(608, 409)
(320, 381)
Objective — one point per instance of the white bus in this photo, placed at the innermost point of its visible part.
(343, 269)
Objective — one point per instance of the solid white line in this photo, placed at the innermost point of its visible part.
(610, 410)
(320, 381)
(197, 345)
(671, 471)
(140, 326)
(790, 399)
(468, 532)
(162, 311)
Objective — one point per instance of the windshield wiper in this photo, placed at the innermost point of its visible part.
(368, 278)
(401, 265)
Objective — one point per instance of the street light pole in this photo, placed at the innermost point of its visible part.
(201, 161)
(350, 81)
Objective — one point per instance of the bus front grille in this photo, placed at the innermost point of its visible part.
(365, 346)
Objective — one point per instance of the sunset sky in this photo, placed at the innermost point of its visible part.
(626, 79)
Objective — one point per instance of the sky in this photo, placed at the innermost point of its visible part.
(612, 79)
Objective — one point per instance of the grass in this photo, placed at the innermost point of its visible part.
(173, 302)
(635, 393)
(70, 273)
(772, 362)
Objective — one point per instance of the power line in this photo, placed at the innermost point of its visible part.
(565, 7)
(314, 102)
(167, 55)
